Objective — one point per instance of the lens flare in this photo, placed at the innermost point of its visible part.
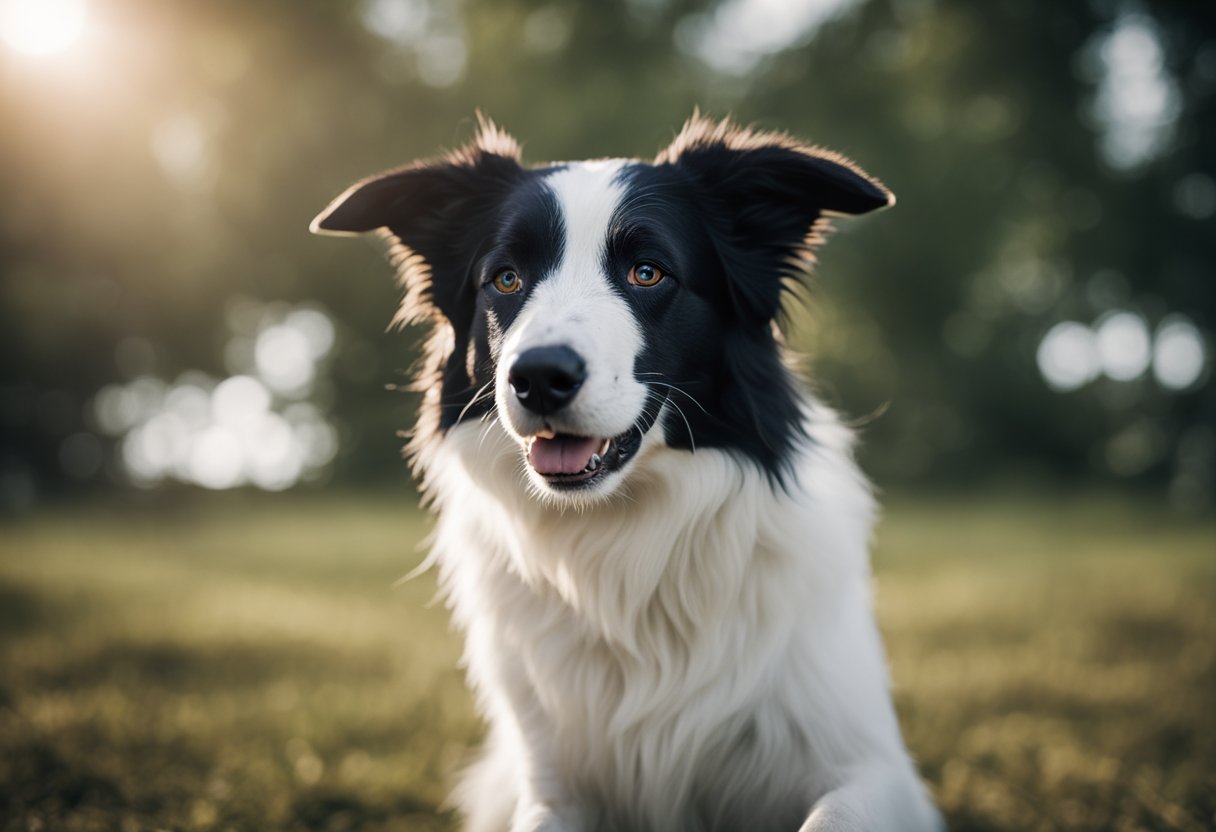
(42, 27)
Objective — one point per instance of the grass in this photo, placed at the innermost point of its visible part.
(252, 665)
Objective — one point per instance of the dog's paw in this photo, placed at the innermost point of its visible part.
(834, 819)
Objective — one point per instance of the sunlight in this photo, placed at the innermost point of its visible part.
(41, 27)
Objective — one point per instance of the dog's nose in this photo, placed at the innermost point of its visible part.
(545, 379)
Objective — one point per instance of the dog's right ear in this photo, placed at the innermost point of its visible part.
(411, 200)
(436, 210)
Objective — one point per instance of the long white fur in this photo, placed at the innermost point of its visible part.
(692, 649)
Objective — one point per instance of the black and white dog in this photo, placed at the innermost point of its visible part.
(654, 539)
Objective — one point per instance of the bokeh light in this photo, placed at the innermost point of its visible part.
(1179, 354)
(1068, 356)
(1124, 348)
(217, 458)
(401, 21)
(247, 429)
(1119, 346)
(180, 146)
(284, 358)
(1137, 101)
(738, 34)
(431, 34)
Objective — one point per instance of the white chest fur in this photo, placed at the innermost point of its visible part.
(699, 649)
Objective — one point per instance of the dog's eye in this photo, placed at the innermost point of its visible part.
(507, 281)
(645, 274)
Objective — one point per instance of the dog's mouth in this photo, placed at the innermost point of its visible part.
(567, 461)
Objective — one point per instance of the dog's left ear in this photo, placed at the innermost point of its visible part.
(768, 195)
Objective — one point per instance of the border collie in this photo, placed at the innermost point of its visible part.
(653, 537)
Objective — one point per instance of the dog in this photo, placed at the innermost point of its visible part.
(654, 539)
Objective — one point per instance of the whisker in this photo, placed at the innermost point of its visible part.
(454, 394)
(481, 441)
(691, 440)
(682, 392)
(473, 401)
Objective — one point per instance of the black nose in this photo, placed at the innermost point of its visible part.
(545, 379)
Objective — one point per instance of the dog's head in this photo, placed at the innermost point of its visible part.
(595, 306)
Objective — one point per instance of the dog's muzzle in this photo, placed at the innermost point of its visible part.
(546, 381)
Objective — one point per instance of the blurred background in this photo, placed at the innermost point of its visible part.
(1031, 327)
(1039, 307)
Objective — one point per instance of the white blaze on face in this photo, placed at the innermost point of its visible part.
(577, 308)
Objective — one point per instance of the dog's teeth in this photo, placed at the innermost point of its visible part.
(546, 433)
(594, 463)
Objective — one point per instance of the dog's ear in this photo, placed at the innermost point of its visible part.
(768, 197)
(435, 210)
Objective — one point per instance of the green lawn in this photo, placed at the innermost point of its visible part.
(252, 664)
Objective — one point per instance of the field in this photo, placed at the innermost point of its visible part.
(253, 664)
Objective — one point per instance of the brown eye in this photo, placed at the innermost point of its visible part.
(646, 274)
(507, 281)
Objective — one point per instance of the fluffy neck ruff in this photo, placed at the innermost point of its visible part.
(691, 536)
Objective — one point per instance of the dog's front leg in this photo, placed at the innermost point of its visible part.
(532, 816)
(875, 798)
(545, 802)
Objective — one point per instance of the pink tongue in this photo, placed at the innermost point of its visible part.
(562, 454)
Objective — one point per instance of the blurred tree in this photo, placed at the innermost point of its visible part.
(157, 177)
